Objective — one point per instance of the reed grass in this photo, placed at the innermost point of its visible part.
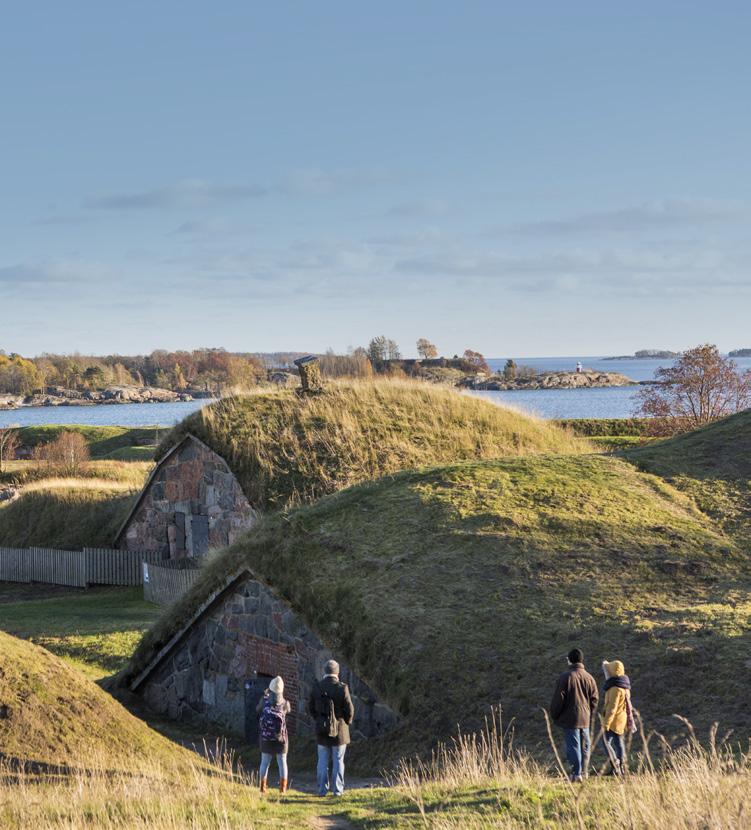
(482, 782)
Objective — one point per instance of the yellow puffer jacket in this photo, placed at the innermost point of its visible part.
(615, 716)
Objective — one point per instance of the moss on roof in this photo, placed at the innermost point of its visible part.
(458, 587)
(286, 449)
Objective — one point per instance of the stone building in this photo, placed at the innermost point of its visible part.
(191, 503)
(216, 665)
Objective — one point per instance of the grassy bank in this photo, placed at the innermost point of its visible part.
(286, 449)
(70, 512)
(712, 465)
(456, 588)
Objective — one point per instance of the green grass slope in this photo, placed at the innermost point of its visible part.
(286, 449)
(56, 716)
(713, 464)
(65, 515)
(455, 588)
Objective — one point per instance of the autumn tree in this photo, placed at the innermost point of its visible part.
(426, 349)
(700, 387)
(67, 455)
(8, 444)
(477, 360)
(510, 369)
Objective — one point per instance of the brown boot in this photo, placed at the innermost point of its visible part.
(282, 785)
(264, 785)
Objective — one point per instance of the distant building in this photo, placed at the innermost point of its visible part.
(191, 503)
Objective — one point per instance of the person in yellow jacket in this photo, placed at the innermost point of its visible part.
(617, 715)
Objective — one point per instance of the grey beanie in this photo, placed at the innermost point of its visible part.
(331, 667)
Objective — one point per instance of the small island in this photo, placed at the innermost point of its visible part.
(586, 379)
(646, 354)
(740, 353)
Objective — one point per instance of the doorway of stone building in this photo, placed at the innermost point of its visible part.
(255, 686)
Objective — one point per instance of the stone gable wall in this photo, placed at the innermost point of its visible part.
(250, 631)
(193, 504)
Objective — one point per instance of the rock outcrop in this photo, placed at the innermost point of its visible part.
(59, 396)
(549, 380)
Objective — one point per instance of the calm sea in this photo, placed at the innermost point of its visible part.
(615, 402)
(612, 402)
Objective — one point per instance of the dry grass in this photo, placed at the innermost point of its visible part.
(151, 795)
(286, 449)
(478, 783)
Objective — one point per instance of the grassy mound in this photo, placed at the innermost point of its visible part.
(55, 716)
(103, 441)
(721, 450)
(713, 464)
(286, 449)
(65, 514)
(454, 588)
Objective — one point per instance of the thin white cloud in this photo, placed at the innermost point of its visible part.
(183, 194)
(658, 215)
(420, 208)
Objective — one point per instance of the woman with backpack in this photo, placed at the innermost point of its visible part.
(272, 729)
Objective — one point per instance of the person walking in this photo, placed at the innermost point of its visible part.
(272, 727)
(574, 700)
(330, 705)
(618, 715)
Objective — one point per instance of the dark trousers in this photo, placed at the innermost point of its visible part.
(615, 747)
(577, 750)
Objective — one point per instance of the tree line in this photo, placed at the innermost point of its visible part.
(210, 370)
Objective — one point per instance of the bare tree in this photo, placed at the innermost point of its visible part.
(392, 350)
(8, 444)
(68, 454)
(701, 387)
(426, 349)
(477, 360)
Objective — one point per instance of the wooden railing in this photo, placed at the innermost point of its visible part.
(165, 582)
(75, 568)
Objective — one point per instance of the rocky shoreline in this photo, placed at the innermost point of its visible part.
(548, 380)
(58, 396)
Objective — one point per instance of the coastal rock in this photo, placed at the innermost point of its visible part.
(58, 396)
(10, 401)
(549, 380)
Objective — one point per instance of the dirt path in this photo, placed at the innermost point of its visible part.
(332, 822)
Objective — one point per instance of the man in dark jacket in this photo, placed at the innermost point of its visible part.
(331, 708)
(574, 700)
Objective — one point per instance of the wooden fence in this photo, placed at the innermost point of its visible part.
(76, 568)
(166, 582)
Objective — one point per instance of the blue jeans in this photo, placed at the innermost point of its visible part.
(577, 749)
(281, 762)
(331, 757)
(614, 747)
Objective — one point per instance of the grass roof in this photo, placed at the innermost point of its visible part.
(286, 449)
(458, 587)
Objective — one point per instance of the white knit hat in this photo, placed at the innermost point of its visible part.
(277, 685)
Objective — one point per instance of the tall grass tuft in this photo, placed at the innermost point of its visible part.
(693, 786)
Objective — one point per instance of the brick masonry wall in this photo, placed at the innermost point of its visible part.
(252, 631)
(193, 504)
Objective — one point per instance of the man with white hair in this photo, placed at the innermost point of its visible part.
(330, 705)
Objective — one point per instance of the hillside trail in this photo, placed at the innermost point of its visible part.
(332, 822)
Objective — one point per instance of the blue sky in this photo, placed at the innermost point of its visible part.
(528, 179)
